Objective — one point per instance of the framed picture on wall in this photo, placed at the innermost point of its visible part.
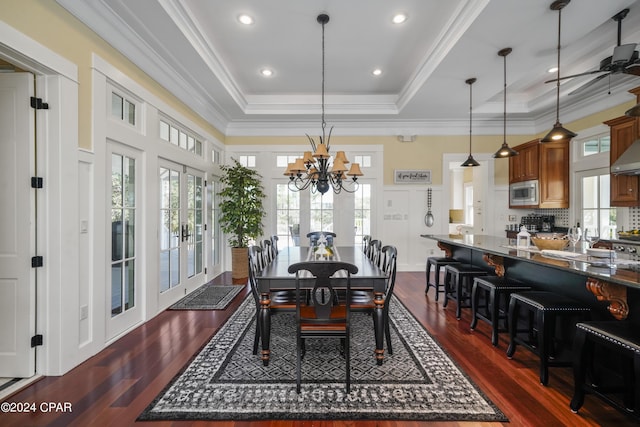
(411, 176)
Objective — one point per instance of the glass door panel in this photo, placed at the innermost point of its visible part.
(170, 232)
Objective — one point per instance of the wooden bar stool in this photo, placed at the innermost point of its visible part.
(545, 309)
(496, 292)
(458, 279)
(438, 263)
(615, 336)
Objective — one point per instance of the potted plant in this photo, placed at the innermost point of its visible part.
(241, 213)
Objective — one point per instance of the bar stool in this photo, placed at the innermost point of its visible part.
(437, 263)
(496, 291)
(458, 279)
(620, 337)
(544, 308)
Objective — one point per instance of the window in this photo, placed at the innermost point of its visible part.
(123, 214)
(170, 232)
(362, 213)
(180, 137)
(287, 216)
(597, 215)
(595, 145)
(363, 161)
(321, 212)
(123, 109)
(468, 203)
(215, 225)
(248, 161)
(283, 161)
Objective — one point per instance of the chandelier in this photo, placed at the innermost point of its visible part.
(316, 169)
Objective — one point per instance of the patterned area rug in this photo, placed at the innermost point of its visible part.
(208, 297)
(226, 382)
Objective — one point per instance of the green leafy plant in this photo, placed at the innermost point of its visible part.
(241, 208)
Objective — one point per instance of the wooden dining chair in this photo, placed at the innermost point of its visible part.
(364, 302)
(374, 251)
(267, 251)
(314, 236)
(280, 300)
(325, 317)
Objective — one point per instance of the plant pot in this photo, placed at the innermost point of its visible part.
(239, 266)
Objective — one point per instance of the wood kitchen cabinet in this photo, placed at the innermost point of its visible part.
(549, 164)
(624, 131)
(524, 166)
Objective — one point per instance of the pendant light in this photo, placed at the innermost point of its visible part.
(505, 150)
(470, 162)
(558, 133)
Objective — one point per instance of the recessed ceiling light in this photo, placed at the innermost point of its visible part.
(552, 70)
(245, 19)
(376, 72)
(399, 18)
(266, 72)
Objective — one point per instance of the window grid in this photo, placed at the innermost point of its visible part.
(362, 213)
(180, 138)
(287, 216)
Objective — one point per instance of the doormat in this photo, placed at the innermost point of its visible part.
(208, 297)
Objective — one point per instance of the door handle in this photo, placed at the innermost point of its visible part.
(185, 232)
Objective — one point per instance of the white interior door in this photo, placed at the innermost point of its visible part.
(124, 294)
(182, 210)
(17, 226)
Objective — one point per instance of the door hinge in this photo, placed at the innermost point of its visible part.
(205, 227)
(38, 104)
(36, 182)
(205, 270)
(36, 340)
(37, 261)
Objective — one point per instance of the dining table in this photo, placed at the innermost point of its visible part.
(276, 277)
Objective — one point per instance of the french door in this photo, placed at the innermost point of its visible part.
(182, 210)
(125, 293)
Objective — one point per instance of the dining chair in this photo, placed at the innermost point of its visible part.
(314, 236)
(325, 317)
(274, 245)
(366, 304)
(374, 252)
(267, 251)
(366, 242)
(280, 300)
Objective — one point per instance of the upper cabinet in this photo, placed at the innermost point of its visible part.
(549, 164)
(524, 166)
(624, 188)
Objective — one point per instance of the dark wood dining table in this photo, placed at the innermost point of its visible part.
(275, 277)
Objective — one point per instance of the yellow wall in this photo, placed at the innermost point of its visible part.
(52, 26)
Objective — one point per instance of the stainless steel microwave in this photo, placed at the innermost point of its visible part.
(523, 193)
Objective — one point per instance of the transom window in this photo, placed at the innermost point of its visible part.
(247, 161)
(123, 109)
(595, 145)
(180, 137)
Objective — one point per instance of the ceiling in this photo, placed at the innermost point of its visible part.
(201, 53)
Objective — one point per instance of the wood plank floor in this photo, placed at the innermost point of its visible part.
(115, 386)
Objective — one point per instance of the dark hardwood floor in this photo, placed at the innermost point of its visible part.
(115, 386)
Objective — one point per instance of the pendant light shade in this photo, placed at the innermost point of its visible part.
(558, 133)
(633, 111)
(470, 162)
(505, 150)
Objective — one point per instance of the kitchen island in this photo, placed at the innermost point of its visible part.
(612, 289)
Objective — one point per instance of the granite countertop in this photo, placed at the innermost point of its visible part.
(621, 271)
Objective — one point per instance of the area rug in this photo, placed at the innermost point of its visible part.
(225, 381)
(208, 297)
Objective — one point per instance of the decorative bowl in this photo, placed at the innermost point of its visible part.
(556, 244)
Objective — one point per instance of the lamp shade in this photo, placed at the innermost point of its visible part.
(633, 111)
(355, 170)
(321, 152)
(298, 166)
(558, 134)
(307, 158)
(470, 162)
(505, 151)
(338, 167)
(288, 172)
(342, 157)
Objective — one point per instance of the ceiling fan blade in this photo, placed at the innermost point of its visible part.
(575, 75)
(623, 53)
(588, 84)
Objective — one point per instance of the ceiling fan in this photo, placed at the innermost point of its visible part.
(625, 60)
